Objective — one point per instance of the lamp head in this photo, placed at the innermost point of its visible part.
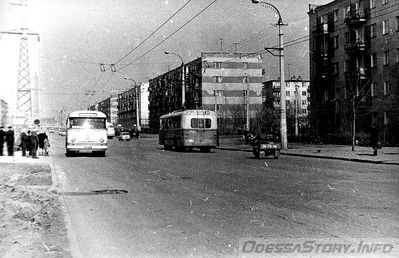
(255, 1)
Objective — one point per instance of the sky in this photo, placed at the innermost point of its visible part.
(77, 35)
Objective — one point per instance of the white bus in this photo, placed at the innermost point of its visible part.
(86, 132)
(189, 129)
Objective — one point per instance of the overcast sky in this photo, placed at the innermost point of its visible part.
(77, 35)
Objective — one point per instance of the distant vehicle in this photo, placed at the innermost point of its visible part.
(62, 132)
(86, 132)
(267, 145)
(110, 130)
(51, 130)
(189, 129)
(124, 136)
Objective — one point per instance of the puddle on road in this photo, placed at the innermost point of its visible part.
(95, 192)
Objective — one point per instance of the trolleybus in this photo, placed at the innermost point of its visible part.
(188, 129)
(86, 132)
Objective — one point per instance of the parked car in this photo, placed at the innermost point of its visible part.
(266, 145)
(62, 132)
(124, 136)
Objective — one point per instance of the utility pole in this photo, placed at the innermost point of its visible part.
(247, 102)
(24, 98)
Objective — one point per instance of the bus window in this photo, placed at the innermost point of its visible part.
(200, 123)
(91, 123)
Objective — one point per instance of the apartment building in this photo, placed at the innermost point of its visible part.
(354, 67)
(225, 82)
(109, 107)
(297, 102)
(3, 112)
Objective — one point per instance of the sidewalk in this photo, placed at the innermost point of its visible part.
(386, 155)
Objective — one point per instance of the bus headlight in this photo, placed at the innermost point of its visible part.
(101, 140)
(73, 140)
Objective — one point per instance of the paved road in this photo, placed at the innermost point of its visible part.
(202, 203)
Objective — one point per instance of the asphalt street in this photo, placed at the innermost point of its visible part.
(202, 204)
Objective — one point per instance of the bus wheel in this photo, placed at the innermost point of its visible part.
(101, 153)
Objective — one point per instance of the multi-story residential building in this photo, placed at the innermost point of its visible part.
(297, 102)
(3, 112)
(354, 59)
(225, 82)
(128, 102)
(109, 107)
(144, 102)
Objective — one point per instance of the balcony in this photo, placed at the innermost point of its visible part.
(356, 17)
(355, 47)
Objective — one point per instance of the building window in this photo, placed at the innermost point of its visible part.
(386, 58)
(373, 60)
(387, 88)
(372, 4)
(325, 96)
(217, 79)
(303, 93)
(335, 42)
(304, 111)
(336, 15)
(304, 102)
(244, 93)
(245, 79)
(385, 27)
(287, 93)
(335, 68)
(245, 65)
(384, 2)
(287, 103)
(347, 38)
(386, 119)
(218, 93)
(218, 65)
(372, 30)
(346, 65)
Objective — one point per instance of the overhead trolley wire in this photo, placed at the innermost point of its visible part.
(203, 10)
(117, 62)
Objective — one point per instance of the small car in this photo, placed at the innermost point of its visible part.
(62, 132)
(266, 145)
(124, 136)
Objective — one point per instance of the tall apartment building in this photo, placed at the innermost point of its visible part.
(354, 63)
(3, 112)
(220, 81)
(297, 102)
(109, 107)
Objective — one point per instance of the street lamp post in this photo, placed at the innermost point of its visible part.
(136, 88)
(183, 90)
(283, 119)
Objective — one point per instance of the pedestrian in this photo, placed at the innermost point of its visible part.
(24, 142)
(374, 134)
(34, 144)
(137, 133)
(42, 137)
(29, 143)
(10, 139)
(2, 138)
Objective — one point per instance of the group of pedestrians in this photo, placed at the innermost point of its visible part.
(8, 138)
(31, 142)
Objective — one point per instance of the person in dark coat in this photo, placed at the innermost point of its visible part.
(374, 134)
(2, 138)
(42, 137)
(24, 142)
(10, 139)
(34, 144)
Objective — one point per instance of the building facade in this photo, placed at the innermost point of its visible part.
(3, 113)
(227, 83)
(128, 115)
(297, 103)
(354, 58)
(109, 107)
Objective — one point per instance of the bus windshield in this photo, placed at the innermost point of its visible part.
(87, 123)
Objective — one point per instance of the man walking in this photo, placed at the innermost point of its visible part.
(10, 139)
(2, 137)
(374, 139)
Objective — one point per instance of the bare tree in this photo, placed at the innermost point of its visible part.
(357, 89)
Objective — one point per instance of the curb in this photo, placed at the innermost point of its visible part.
(315, 156)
